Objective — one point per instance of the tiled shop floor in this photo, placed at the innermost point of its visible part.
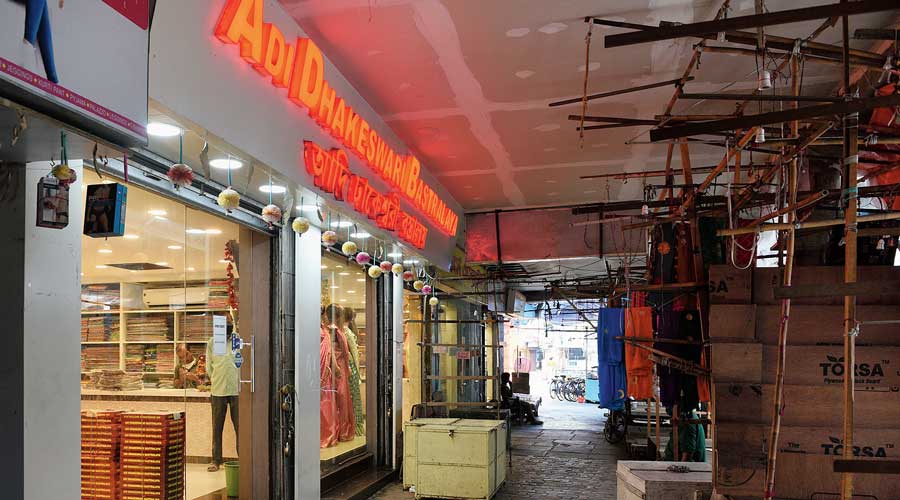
(552, 464)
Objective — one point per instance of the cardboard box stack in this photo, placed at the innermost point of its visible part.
(101, 472)
(153, 448)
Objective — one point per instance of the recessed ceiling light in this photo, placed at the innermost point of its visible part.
(594, 66)
(101, 266)
(338, 266)
(226, 163)
(547, 127)
(343, 300)
(162, 129)
(324, 266)
(274, 189)
(552, 28)
(409, 262)
(308, 208)
(160, 217)
(191, 269)
(345, 273)
(334, 287)
(195, 231)
(223, 261)
(360, 235)
(132, 271)
(525, 73)
(213, 231)
(341, 223)
(517, 32)
(104, 250)
(174, 247)
(395, 254)
(161, 263)
(351, 291)
(361, 279)
(131, 236)
(156, 211)
(107, 181)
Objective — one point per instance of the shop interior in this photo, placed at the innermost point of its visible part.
(149, 299)
(344, 348)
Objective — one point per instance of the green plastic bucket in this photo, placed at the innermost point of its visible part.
(232, 471)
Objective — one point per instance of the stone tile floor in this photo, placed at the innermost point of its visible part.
(565, 459)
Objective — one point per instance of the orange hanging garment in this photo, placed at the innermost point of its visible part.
(639, 368)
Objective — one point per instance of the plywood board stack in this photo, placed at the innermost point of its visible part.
(744, 333)
(101, 469)
(153, 450)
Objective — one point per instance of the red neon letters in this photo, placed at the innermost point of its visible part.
(331, 174)
(300, 68)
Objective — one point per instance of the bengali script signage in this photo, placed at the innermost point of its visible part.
(299, 67)
(330, 172)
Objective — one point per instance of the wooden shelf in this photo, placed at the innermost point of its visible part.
(149, 341)
(107, 342)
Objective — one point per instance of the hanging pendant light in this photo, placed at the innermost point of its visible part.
(765, 80)
(760, 135)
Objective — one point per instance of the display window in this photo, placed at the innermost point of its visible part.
(344, 346)
(161, 306)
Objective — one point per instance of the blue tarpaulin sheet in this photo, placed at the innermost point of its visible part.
(611, 358)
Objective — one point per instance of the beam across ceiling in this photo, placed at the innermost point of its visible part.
(611, 93)
(752, 21)
(744, 122)
(758, 97)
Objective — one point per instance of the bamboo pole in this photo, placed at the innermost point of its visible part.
(695, 58)
(792, 207)
(719, 168)
(791, 211)
(851, 159)
(762, 228)
(587, 70)
(675, 455)
(658, 453)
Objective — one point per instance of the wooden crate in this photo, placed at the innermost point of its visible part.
(651, 480)
(729, 285)
(737, 362)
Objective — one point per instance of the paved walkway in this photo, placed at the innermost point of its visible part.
(567, 458)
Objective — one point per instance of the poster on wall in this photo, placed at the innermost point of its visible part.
(82, 62)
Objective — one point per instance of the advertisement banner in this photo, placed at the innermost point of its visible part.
(81, 62)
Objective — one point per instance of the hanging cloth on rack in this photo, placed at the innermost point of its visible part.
(639, 368)
(611, 359)
(674, 386)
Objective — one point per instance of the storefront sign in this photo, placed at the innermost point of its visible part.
(54, 70)
(331, 173)
(299, 68)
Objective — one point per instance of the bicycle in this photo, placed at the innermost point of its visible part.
(557, 386)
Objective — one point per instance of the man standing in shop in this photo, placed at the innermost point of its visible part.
(224, 377)
(187, 369)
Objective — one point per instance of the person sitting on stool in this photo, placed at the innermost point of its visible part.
(691, 440)
(508, 400)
